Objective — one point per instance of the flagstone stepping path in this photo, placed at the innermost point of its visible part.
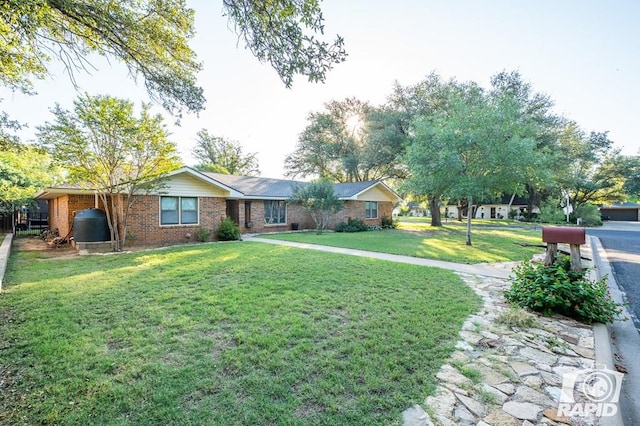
(503, 374)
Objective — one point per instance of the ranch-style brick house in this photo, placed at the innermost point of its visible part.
(190, 199)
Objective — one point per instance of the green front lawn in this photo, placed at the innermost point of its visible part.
(235, 333)
(445, 243)
(420, 221)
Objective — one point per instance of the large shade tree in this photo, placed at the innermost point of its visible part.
(220, 155)
(536, 116)
(107, 148)
(473, 150)
(151, 37)
(590, 170)
(418, 102)
(22, 174)
(632, 176)
(349, 141)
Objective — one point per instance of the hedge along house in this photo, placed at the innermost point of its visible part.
(189, 199)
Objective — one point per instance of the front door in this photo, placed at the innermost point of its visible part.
(493, 212)
(233, 211)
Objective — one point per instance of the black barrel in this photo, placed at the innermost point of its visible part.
(90, 225)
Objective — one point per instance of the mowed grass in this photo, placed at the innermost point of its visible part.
(442, 243)
(235, 333)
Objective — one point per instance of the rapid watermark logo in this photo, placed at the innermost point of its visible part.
(590, 391)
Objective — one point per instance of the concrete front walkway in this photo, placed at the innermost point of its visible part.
(484, 270)
(5, 251)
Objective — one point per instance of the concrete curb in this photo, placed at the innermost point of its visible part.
(5, 251)
(627, 341)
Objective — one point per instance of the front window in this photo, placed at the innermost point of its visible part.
(178, 210)
(371, 209)
(275, 212)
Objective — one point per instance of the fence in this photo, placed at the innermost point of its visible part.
(24, 223)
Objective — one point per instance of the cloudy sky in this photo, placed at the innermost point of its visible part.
(584, 54)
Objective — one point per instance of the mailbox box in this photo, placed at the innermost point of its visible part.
(566, 235)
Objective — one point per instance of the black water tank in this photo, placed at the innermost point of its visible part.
(90, 225)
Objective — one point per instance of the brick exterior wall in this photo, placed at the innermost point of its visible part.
(298, 214)
(62, 209)
(356, 209)
(143, 224)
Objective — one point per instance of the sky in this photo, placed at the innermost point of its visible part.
(584, 54)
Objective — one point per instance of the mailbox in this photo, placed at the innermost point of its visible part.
(563, 234)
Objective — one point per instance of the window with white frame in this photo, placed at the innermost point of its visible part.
(275, 212)
(371, 209)
(178, 210)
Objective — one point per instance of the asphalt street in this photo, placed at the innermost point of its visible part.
(619, 246)
(621, 241)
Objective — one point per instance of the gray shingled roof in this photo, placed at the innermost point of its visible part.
(252, 186)
(349, 189)
(280, 188)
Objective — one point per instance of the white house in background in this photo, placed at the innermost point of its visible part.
(496, 210)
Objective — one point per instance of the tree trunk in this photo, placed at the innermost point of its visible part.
(434, 208)
(469, 214)
(530, 199)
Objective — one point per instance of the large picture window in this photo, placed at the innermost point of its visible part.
(371, 209)
(178, 210)
(275, 212)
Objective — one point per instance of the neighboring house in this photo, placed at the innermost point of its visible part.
(415, 209)
(498, 209)
(190, 199)
(629, 212)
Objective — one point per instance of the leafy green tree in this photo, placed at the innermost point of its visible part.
(592, 171)
(348, 142)
(544, 127)
(632, 176)
(282, 33)
(319, 199)
(151, 37)
(8, 140)
(22, 174)
(220, 155)
(420, 101)
(461, 152)
(105, 147)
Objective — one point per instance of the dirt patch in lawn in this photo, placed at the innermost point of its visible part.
(47, 250)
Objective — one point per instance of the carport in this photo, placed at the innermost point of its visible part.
(627, 212)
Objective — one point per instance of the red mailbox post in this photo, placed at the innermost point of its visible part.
(575, 237)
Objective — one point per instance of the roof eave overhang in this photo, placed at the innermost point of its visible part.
(51, 193)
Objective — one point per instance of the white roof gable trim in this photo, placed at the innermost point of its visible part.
(201, 176)
(395, 197)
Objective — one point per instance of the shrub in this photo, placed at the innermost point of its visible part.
(228, 230)
(551, 213)
(352, 225)
(202, 234)
(558, 289)
(589, 214)
(388, 223)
